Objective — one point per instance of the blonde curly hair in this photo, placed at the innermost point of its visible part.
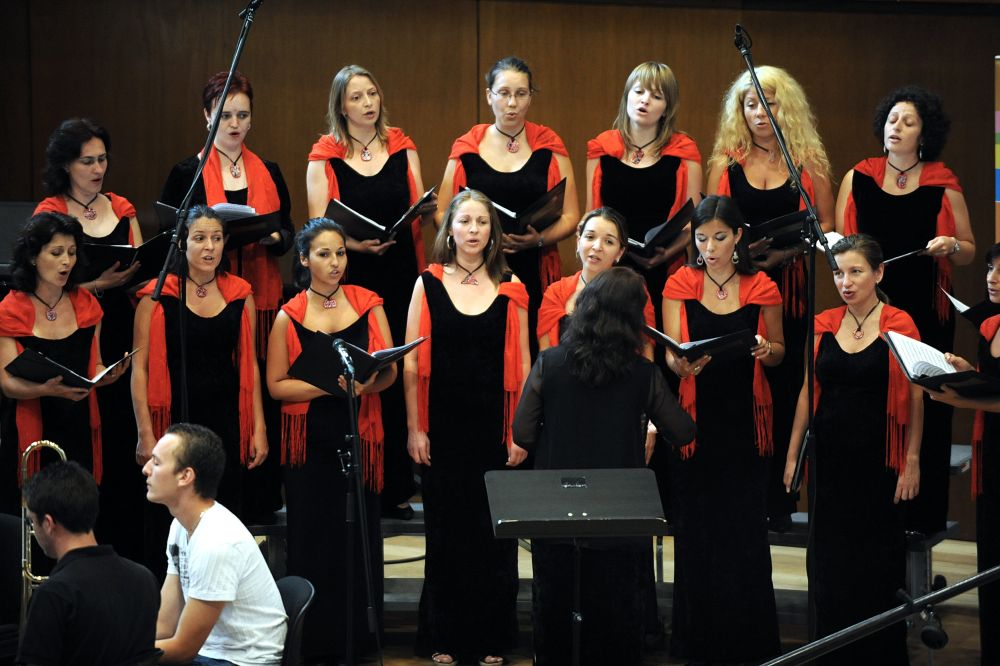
(733, 141)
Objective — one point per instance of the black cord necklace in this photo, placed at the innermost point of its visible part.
(468, 279)
(512, 143)
(328, 301)
(640, 153)
(901, 178)
(88, 212)
(234, 168)
(50, 312)
(366, 155)
(201, 291)
(722, 294)
(858, 333)
(772, 155)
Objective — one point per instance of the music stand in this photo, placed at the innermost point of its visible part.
(575, 504)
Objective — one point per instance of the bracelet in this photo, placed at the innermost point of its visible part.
(957, 247)
(541, 242)
(97, 290)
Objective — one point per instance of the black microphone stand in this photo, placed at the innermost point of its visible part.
(811, 233)
(356, 514)
(182, 211)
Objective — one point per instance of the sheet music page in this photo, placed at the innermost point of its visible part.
(913, 351)
(960, 307)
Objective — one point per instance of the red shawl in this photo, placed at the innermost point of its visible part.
(898, 407)
(689, 283)
(158, 383)
(988, 329)
(328, 148)
(539, 137)
(793, 275)
(293, 414)
(17, 319)
(121, 206)
(258, 266)
(517, 297)
(933, 174)
(553, 308)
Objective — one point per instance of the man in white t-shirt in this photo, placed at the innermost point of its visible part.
(219, 603)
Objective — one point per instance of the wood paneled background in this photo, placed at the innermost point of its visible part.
(138, 68)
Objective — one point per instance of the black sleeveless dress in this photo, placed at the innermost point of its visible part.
(119, 522)
(988, 518)
(722, 561)
(785, 379)
(902, 224)
(516, 191)
(384, 197)
(468, 602)
(316, 503)
(857, 549)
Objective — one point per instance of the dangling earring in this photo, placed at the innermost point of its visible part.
(920, 152)
(736, 257)
(885, 149)
(450, 243)
(700, 260)
(208, 125)
(489, 245)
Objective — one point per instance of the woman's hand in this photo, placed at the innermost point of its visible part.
(684, 368)
(651, 433)
(359, 388)
(515, 455)
(960, 363)
(112, 278)
(429, 207)
(908, 484)
(762, 349)
(271, 239)
(941, 246)
(517, 242)
(144, 448)
(372, 246)
(54, 388)
(659, 256)
(115, 373)
(419, 447)
(260, 449)
(789, 474)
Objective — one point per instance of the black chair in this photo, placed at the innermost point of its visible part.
(296, 596)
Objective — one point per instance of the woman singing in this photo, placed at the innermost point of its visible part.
(867, 425)
(514, 162)
(314, 427)
(747, 165)
(374, 169)
(906, 200)
(597, 368)
(76, 165)
(462, 387)
(722, 570)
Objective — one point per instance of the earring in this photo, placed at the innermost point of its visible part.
(885, 149)
(700, 260)
(736, 257)
(208, 125)
(450, 242)
(920, 152)
(489, 245)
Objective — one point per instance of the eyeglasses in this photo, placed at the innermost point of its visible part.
(519, 95)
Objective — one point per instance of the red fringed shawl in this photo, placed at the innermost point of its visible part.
(988, 329)
(258, 265)
(121, 206)
(689, 283)
(513, 377)
(898, 407)
(327, 148)
(539, 137)
(293, 414)
(793, 275)
(933, 174)
(158, 394)
(553, 308)
(17, 319)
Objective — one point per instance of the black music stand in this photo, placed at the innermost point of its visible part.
(575, 504)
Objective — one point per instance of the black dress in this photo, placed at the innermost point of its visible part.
(722, 561)
(516, 191)
(785, 379)
(384, 197)
(119, 522)
(857, 550)
(902, 224)
(316, 503)
(468, 602)
(988, 518)
(549, 416)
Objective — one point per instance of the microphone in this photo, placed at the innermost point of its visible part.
(742, 39)
(345, 357)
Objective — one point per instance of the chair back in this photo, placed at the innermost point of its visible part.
(296, 596)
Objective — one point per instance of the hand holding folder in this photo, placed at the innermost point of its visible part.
(362, 228)
(320, 365)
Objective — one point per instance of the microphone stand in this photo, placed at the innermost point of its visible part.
(355, 515)
(811, 233)
(182, 211)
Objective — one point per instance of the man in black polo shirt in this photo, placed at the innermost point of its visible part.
(96, 607)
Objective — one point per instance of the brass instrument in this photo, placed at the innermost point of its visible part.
(29, 580)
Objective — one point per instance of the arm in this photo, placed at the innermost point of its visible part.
(945, 245)
(671, 420)
(317, 188)
(417, 443)
(516, 455)
(591, 170)
(22, 389)
(824, 202)
(140, 381)
(259, 426)
(771, 351)
(564, 227)
(446, 191)
(197, 618)
(799, 425)
(672, 327)
(429, 209)
(279, 384)
(171, 604)
(116, 372)
(279, 242)
(714, 176)
(842, 197)
(908, 485)
(528, 417)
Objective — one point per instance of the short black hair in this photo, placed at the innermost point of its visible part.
(67, 492)
(936, 122)
(64, 146)
(37, 232)
(201, 450)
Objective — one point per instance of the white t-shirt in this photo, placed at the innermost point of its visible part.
(222, 562)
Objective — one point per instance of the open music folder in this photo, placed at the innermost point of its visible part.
(926, 366)
(664, 234)
(320, 365)
(361, 227)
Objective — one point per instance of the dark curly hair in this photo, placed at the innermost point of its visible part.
(64, 147)
(605, 332)
(303, 243)
(936, 122)
(36, 234)
(724, 209)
